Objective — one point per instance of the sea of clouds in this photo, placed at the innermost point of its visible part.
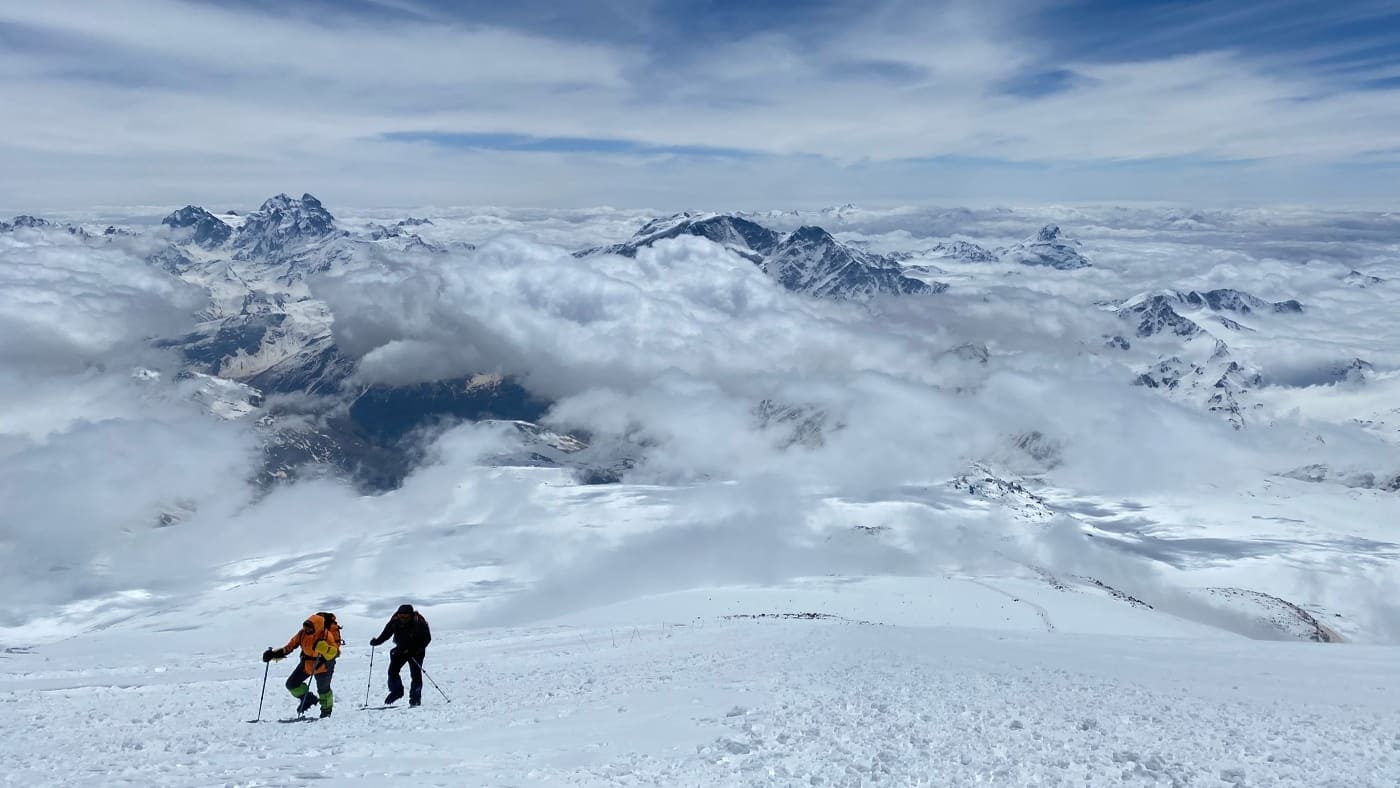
(666, 357)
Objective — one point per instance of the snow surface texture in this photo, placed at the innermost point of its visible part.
(698, 689)
(1017, 531)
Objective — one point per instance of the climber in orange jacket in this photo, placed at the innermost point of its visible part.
(319, 640)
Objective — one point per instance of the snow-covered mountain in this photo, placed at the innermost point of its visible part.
(262, 329)
(204, 228)
(1156, 314)
(963, 250)
(282, 228)
(1049, 247)
(1357, 279)
(1159, 313)
(1201, 367)
(808, 260)
(1225, 300)
(748, 239)
(1219, 383)
(27, 222)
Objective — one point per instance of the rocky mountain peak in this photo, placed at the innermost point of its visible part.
(741, 236)
(1155, 314)
(1357, 279)
(809, 235)
(281, 223)
(203, 227)
(808, 260)
(1230, 300)
(30, 222)
(283, 202)
(963, 250)
(1049, 247)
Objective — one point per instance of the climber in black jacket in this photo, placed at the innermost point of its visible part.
(411, 638)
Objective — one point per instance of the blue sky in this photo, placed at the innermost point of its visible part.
(710, 103)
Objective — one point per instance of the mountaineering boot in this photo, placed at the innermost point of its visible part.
(325, 712)
(415, 702)
(393, 696)
(307, 701)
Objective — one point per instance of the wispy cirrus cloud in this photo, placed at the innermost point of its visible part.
(450, 96)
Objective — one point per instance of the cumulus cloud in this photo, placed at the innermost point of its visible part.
(65, 304)
(773, 423)
(670, 355)
(673, 353)
(567, 324)
(93, 456)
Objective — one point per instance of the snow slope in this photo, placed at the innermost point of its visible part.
(910, 682)
(617, 636)
(911, 540)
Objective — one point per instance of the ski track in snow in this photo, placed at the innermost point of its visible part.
(1040, 611)
(718, 701)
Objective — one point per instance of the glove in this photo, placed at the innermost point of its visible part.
(326, 650)
(269, 655)
(374, 642)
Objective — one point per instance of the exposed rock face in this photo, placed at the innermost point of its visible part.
(1156, 315)
(281, 226)
(203, 227)
(1358, 279)
(808, 260)
(1229, 300)
(1161, 312)
(1049, 247)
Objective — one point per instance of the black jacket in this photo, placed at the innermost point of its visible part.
(410, 633)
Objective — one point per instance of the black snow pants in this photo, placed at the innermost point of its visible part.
(397, 659)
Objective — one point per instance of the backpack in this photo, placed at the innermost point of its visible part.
(332, 628)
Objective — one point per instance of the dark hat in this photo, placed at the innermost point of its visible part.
(405, 609)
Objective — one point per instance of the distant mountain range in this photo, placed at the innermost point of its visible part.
(261, 333)
(1048, 247)
(808, 260)
(1160, 312)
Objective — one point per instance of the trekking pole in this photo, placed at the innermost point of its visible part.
(266, 667)
(430, 679)
(369, 678)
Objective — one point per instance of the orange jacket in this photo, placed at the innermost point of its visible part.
(316, 645)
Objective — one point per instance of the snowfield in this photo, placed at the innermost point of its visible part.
(825, 681)
(1109, 502)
